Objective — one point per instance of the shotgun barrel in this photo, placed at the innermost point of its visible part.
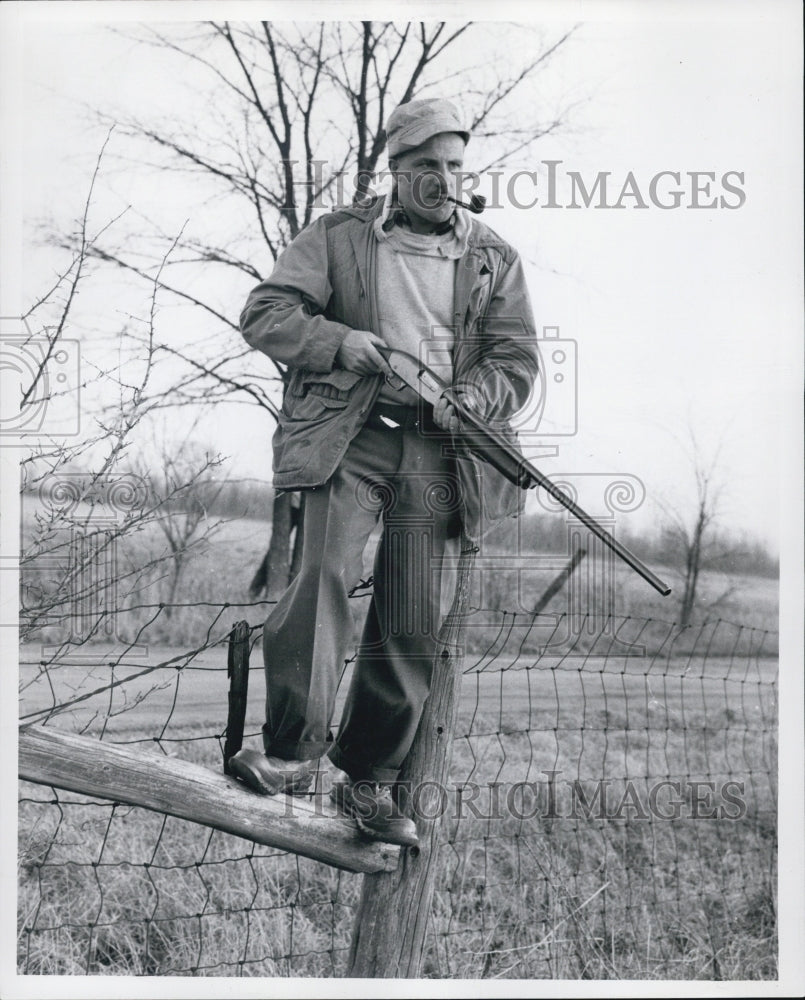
(500, 453)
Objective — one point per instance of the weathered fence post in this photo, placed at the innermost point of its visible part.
(389, 933)
(237, 670)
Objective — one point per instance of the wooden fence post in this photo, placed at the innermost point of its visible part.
(237, 670)
(389, 933)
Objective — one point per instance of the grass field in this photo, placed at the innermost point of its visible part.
(220, 570)
(568, 892)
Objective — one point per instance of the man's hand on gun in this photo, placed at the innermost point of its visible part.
(359, 353)
(444, 413)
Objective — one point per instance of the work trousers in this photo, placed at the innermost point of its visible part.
(398, 473)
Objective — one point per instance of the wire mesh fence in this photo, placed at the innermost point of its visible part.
(611, 813)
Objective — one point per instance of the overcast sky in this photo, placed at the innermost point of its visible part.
(685, 317)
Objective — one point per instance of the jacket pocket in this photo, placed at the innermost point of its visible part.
(332, 388)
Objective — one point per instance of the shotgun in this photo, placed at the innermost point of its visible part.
(490, 445)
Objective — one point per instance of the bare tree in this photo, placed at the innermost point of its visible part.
(290, 113)
(694, 535)
(82, 563)
(52, 468)
(182, 492)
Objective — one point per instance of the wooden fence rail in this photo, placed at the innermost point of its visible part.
(189, 791)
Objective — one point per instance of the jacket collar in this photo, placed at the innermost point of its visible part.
(472, 265)
(373, 207)
(394, 214)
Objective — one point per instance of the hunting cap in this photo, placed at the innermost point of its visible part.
(413, 123)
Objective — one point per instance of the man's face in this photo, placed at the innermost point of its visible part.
(425, 176)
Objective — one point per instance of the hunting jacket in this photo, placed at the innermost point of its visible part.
(323, 285)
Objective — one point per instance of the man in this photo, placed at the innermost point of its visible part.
(412, 271)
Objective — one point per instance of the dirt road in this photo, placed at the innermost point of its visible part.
(163, 700)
